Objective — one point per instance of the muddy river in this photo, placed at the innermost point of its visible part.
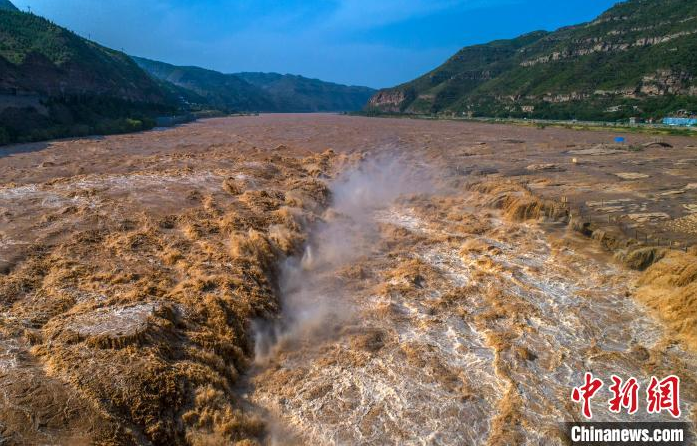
(338, 280)
(417, 315)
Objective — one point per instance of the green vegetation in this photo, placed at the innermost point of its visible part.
(76, 116)
(212, 89)
(291, 93)
(269, 92)
(600, 126)
(23, 34)
(638, 59)
(31, 42)
(7, 5)
(57, 84)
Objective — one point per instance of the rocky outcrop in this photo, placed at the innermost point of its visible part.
(666, 82)
(389, 101)
(604, 47)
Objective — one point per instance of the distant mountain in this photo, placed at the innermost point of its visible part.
(7, 5)
(268, 92)
(300, 94)
(54, 83)
(223, 91)
(637, 59)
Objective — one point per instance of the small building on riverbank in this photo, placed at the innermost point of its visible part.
(680, 122)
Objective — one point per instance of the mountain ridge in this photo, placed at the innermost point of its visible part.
(224, 91)
(636, 59)
(266, 92)
(8, 5)
(55, 83)
(303, 94)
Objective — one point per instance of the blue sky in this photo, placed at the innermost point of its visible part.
(360, 42)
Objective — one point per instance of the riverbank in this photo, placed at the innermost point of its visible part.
(645, 128)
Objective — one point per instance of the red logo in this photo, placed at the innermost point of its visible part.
(626, 395)
(660, 395)
(586, 392)
(664, 394)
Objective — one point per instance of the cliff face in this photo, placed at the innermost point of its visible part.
(389, 101)
(636, 59)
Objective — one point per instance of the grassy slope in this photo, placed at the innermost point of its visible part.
(224, 91)
(463, 73)
(26, 37)
(260, 91)
(484, 78)
(77, 87)
(7, 5)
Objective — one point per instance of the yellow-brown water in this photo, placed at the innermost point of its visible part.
(441, 322)
(398, 289)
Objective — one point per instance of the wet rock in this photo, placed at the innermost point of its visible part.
(546, 167)
(599, 150)
(418, 281)
(232, 186)
(114, 327)
(642, 258)
(648, 216)
(167, 222)
(194, 195)
(660, 144)
(484, 171)
(671, 193)
(640, 353)
(372, 341)
(525, 354)
(631, 175)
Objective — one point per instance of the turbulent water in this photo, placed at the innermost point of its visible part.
(364, 294)
(418, 316)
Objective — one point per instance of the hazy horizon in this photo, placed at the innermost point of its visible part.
(355, 42)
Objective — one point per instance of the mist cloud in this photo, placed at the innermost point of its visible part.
(311, 300)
